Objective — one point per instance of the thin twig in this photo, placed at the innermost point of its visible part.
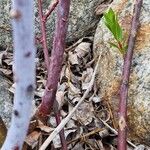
(43, 19)
(58, 121)
(97, 130)
(50, 9)
(65, 120)
(43, 31)
(77, 43)
(111, 115)
(115, 132)
(122, 132)
(74, 45)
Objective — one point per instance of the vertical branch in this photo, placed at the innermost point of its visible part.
(43, 30)
(43, 19)
(24, 72)
(122, 132)
(56, 59)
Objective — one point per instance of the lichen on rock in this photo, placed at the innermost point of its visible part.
(82, 20)
(5, 100)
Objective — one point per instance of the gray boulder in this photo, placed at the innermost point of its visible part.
(5, 100)
(82, 20)
(110, 70)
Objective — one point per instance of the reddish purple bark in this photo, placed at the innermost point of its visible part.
(122, 132)
(56, 59)
(43, 29)
(51, 8)
(43, 19)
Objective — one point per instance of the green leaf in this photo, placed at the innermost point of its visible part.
(119, 32)
(111, 21)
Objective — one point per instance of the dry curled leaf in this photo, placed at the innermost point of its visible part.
(86, 77)
(73, 58)
(96, 99)
(140, 147)
(73, 90)
(83, 49)
(6, 71)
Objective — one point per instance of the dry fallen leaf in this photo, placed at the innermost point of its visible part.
(6, 71)
(140, 147)
(86, 77)
(60, 98)
(52, 121)
(40, 92)
(73, 58)
(83, 49)
(32, 139)
(46, 129)
(57, 142)
(78, 146)
(84, 113)
(96, 99)
(73, 90)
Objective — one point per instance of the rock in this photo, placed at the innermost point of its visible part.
(3, 132)
(110, 70)
(5, 100)
(82, 20)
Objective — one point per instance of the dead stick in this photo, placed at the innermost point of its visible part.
(97, 130)
(58, 121)
(115, 132)
(122, 132)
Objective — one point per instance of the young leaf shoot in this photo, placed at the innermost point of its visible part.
(111, 22)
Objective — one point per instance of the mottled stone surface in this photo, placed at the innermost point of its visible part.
(82, 20)
(110, 69)
(5, 100)
(5, 28)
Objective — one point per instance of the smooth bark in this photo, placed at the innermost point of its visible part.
(122, 132)
(24, 72)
